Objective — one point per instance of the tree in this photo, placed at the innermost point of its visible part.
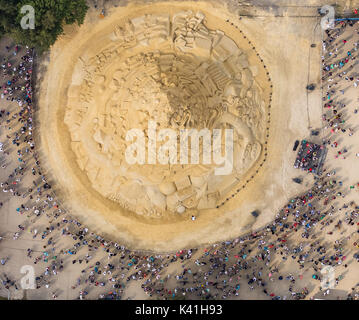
(50, 16)
(7, 15)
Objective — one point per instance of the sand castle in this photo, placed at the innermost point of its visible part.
(185, 69)
(175, 71)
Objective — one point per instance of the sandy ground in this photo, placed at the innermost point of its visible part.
(284, 46)
(286, 60)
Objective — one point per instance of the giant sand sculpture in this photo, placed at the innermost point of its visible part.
(172, 71)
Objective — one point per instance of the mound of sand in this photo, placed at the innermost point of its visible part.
(178, 66)
(174, 72)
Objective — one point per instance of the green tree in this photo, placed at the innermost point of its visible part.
(50, 17)
(7, 15)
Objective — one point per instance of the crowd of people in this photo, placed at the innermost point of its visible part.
(310, 157)
(281, 261)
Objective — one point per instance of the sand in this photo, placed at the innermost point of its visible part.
(275, 59)
(291, 67)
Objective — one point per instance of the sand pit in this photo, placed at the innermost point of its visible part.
(179, 66)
